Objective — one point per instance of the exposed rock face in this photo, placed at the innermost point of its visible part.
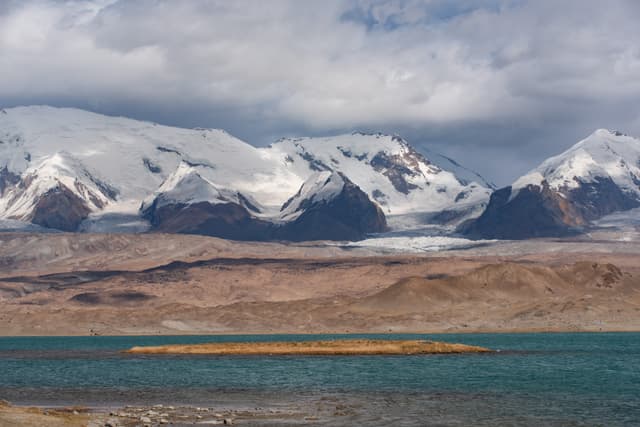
(336, 209)
(226, 220)
(394, 168)
(7, 179)
(327, 207)
(595, 177)
(539, 211)
(534, 212)
(188, 203)
(389, 170)
(60, 208)
(121, 163)
(601, 197)
(57, 193)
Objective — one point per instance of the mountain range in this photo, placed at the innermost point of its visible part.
(73, 170)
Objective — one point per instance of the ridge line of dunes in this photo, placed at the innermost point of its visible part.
(310, 348)
(512, 281)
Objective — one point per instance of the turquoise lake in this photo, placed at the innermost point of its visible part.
(573, 379)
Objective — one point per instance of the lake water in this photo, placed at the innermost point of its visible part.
(581, 379)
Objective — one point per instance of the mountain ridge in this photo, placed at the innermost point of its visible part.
(597, 176)
(74, 170)
(122, 162)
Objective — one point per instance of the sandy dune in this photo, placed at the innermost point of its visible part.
(171, 284)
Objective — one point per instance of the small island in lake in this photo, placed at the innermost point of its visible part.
(317, 348)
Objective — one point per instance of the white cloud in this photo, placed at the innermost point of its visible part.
(291, 65)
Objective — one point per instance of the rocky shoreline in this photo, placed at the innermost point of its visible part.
(185, 415)
(323, 410)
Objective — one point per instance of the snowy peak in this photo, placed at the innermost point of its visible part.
(386, 167)
(327, 207)
(136, 157)
(318, 188)
(604, 154)
(597, 176)
(187, 186)
(330, 206)
(61, 173)
(110, 166)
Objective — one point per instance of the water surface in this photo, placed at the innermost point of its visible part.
(583, 379)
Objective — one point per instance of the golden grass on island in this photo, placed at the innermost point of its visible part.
(319, 348)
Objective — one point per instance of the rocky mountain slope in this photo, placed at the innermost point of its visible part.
(189, 203)
(328, 206)
(388, 169)
(597, 176)
(74, 170)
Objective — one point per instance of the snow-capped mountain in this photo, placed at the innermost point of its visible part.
(597, 176)
(189, 203)
(186, 186)
(57, 160)
(318, 188)
(58, 193)
(387, 168)
(330, 206)
(326, 207)
(136, 157)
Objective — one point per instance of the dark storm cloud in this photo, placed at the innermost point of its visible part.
(498, 85)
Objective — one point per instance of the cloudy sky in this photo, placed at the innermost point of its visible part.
(497, 84)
